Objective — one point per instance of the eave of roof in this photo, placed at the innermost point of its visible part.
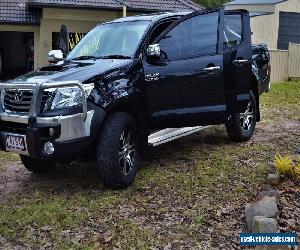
(28, 12)
(17, 12)
(254, 2)
(132, 5)
(256, 13)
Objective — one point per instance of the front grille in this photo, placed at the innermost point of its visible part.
(18, 101)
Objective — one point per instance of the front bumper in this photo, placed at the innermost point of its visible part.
(68, 133)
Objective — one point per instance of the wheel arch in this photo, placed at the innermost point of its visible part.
(135, 109)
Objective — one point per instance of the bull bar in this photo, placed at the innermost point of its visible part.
(35, 105)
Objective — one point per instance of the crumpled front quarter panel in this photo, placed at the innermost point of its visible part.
(118, 86)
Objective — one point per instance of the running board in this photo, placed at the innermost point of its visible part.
(171, 134)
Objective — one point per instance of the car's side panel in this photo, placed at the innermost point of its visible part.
(189, 91)
(119, 87)
(184, 94)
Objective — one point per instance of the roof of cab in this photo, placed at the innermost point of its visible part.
(149, 17)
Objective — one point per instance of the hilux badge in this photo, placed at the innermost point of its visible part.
(18, 96)
(152, 77)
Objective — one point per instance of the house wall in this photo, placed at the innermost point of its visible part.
(80, 21)
(265, 30)
(252, 7)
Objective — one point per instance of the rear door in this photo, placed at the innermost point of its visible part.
(186, 86)
(237, 59)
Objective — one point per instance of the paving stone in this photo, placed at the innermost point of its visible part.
(263, 224)
(271, 168)
(267, 187)
(273, 179)
(269, 193)
(266, 207)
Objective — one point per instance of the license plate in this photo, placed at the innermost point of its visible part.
(15, 143)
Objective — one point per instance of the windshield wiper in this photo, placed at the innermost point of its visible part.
(84, 58)
(115, 57)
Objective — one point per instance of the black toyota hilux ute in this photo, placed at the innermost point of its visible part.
(133, 77)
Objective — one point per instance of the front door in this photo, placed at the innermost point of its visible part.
(185, 87)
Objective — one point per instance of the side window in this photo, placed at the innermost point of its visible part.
(173, 44)
(159, 30)
(233, 30)
(195, 36)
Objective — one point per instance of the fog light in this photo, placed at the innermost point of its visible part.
(48, 148)
(51, 131)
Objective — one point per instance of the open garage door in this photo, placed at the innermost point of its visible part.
(289, 29)
(16, 54)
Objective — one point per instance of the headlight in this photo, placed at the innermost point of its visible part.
(70, 97)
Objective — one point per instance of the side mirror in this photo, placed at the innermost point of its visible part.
(153, 51)
(55, 56)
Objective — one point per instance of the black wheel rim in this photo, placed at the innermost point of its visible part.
(126, 152)
(246, 118)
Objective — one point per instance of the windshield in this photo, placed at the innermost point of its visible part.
(109, 40)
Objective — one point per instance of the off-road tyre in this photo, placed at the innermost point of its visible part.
(237, 128)
(117, 162)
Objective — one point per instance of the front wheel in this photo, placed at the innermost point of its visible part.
(118, 152)
(242, 125)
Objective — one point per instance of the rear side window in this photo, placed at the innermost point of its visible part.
(233, 30)
(195, 36)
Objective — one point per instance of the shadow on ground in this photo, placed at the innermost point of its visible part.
(78, 177)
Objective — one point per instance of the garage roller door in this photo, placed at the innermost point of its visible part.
(289, 29)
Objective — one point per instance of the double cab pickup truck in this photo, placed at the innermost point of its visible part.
(130, 78)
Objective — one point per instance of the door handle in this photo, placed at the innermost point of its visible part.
(240, 61)
(213, 68)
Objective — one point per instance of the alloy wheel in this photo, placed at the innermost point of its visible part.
(126, 152)
(246, 118)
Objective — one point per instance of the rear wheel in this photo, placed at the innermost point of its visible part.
(242, 125)
(118, 153)
(37, 166)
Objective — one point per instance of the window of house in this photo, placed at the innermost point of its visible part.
(233, 29)
(195, 36)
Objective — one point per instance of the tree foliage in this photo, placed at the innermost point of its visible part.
(210, 3)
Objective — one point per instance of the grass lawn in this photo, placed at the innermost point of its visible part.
(189, 193)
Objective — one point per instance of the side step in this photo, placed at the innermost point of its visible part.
(171, 134)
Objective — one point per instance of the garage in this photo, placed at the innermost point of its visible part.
(289, 29)
(16, 53)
